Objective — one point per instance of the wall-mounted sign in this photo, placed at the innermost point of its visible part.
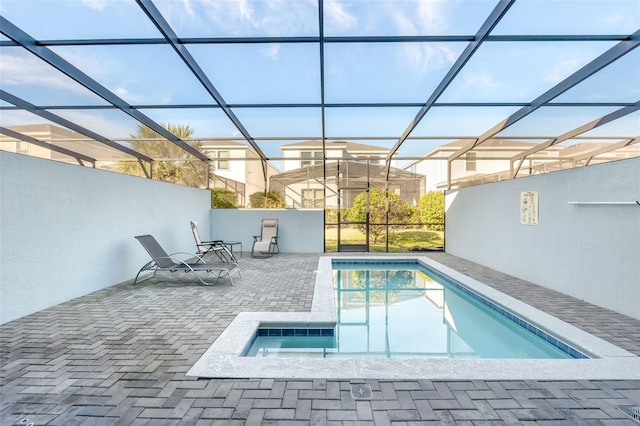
(529, 208)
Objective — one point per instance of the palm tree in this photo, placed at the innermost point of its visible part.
(171, 163)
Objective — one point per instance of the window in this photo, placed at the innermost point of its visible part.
(369, 160)
(305, 154)
(22, 147)
(470, 162)
(307, 158)
(223, 164)
(312, 198)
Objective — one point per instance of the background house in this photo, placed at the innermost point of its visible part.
(309, 153)
(59, 137)
(484, 162)
(492, 161)
(350, 169)
(583, 154)
(237, 167)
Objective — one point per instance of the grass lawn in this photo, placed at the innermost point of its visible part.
(399, 240)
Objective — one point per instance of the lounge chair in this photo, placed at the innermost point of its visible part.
(266, 244)
(164, 262)
(216, 247)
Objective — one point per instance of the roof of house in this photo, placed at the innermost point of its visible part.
(68, 139)
(222, 143)
(332, 145)
(49, 129)
(491, 143)
(357, 173)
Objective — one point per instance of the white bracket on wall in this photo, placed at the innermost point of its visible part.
(605, 203)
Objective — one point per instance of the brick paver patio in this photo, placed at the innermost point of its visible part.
(119, 356)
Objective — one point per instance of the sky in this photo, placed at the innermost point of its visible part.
(354, 72)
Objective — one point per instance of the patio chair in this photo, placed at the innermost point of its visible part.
(161, 261)
(266, 244)
(216, 247)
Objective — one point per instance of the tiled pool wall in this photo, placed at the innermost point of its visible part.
(414, 264)
(288, 331)
(295, 332)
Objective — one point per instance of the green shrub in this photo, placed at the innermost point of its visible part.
(223, 199)
(432, 210)
(399, 211)
(273, 200)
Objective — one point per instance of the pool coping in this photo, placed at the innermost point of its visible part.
(224, 357)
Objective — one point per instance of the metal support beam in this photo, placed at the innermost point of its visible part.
(322, 106)
(7, 97)
(448, 174)
(603, 150)
(163, 26)
(333, 39)
(587, 155)
(604, 203)
(209, 172)
(498, 12)
(611, 55)
(79, 157)
(336, 105)
(579, 130)
(148, 173)
(59, 63)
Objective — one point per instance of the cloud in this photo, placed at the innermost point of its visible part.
(624, 22)
(425, 57)
(136, 98)
(188, 8)
(234, 13)
(19, 118)
(98, 5)
(271, 51)
(563, 69)
(336, 17)
(29, 70)
(23, 70)
(107, 125)
(483, 81)
(230, 13)
(477, 86)
(251, 18)
(129, 97)
(419, 18)
(432, 17)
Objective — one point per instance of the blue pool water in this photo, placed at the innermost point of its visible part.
(404, 309)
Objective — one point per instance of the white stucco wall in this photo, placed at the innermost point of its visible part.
(589, 252)
(66, 230)
(299, 230)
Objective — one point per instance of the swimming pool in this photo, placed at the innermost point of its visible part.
(404, 309)
(225, 357)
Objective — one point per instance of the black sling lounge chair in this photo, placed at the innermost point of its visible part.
(164, 262)
(217, 247)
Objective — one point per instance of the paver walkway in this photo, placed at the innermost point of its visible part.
(119, 356)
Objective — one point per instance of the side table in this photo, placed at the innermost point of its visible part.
(230, 245)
